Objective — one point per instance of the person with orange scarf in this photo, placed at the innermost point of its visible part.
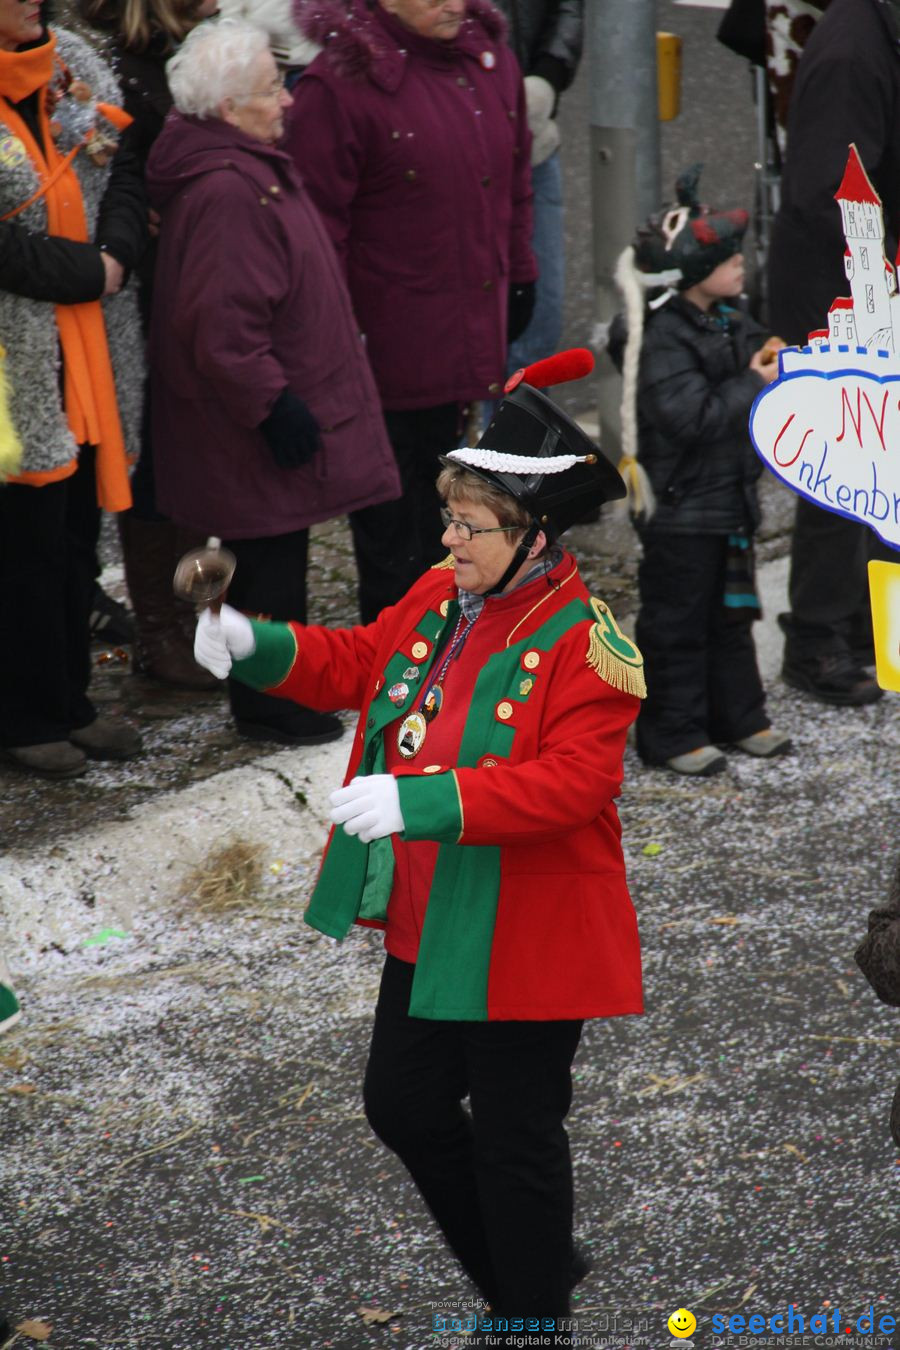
(72, 224)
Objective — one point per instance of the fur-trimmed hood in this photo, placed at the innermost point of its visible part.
(357, 43)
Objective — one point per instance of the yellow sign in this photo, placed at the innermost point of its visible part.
(884, 593)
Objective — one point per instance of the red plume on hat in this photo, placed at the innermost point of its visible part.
(532, 450)
(573, 364)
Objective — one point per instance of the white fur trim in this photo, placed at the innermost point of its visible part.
(632, 284)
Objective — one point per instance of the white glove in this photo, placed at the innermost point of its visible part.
(369, 807)
(222, 638)
(540, 98)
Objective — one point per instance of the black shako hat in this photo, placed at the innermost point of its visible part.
(533, 451)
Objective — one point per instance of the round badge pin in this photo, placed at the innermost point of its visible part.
(488, 60)
(411, 735)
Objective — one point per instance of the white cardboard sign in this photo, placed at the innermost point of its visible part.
(829, 426)
(834, 437)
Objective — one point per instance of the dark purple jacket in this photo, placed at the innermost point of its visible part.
(416, 152)
(249, 301)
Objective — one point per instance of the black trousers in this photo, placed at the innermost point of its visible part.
(269, 579)
(48, 543)
(498, 1181)
(829, 583)
(703, 684)
(397, 541)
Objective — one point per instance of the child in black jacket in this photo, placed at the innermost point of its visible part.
(693, 365)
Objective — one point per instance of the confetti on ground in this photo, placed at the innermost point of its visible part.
(34, 1330)
(736, 1132)
(105, 935)
(376, 1316)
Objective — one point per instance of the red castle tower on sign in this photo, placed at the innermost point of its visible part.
(870, 317)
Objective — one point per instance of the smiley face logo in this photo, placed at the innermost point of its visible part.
(682, 1323)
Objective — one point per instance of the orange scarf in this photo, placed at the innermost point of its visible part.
(91, 407)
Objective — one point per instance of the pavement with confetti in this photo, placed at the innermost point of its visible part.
(185, 1162)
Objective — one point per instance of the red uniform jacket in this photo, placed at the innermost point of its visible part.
(528, 915)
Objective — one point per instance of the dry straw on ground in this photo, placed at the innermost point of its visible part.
(227, 879)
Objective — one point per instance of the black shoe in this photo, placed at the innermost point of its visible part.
(110, 620)
(825, 668)
(107, 738)
(53, 759)
(302, 727)
(5, 1329)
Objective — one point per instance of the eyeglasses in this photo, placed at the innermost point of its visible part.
(274, 90)
(466, 531)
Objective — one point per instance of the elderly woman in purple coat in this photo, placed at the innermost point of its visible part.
(265, 415)
(411, 133)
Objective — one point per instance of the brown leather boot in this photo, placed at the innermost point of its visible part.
(163, 648)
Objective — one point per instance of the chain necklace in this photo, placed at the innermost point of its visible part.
(414, 727)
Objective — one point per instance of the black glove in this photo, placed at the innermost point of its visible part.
(519, 309)
(291, 431)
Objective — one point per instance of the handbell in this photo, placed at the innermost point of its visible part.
(203, 575)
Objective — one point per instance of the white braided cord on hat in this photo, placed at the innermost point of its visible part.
(476, 457)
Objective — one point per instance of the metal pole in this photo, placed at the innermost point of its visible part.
(624, 158)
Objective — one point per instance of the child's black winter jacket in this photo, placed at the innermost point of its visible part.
(694, 398)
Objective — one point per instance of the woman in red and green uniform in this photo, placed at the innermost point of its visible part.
(477, 827)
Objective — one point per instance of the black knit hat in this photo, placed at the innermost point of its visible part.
(689, 238)
(528, 428)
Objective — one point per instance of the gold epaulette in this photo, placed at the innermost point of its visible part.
(614, 656)
(448, 562)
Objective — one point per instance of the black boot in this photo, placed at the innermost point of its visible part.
(296, 726)
(163, 648)
(820, 663)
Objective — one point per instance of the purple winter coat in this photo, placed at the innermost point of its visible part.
(416, 152)
(249, 301)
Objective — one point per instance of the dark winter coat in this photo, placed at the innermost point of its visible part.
(547, 37)
(694, 398)
(145, 90)
(847, 88)
(878, 957)
(416, 151)
(249, 302)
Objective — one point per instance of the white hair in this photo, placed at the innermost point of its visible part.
(214, 63)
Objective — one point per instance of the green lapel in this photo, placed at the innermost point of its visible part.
(451, 979)
(356, 878)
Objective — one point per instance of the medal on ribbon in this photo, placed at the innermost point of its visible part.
(431, 704)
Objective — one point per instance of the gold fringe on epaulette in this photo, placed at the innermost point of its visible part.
(10, 445)
(448, 562)
(612, 669)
